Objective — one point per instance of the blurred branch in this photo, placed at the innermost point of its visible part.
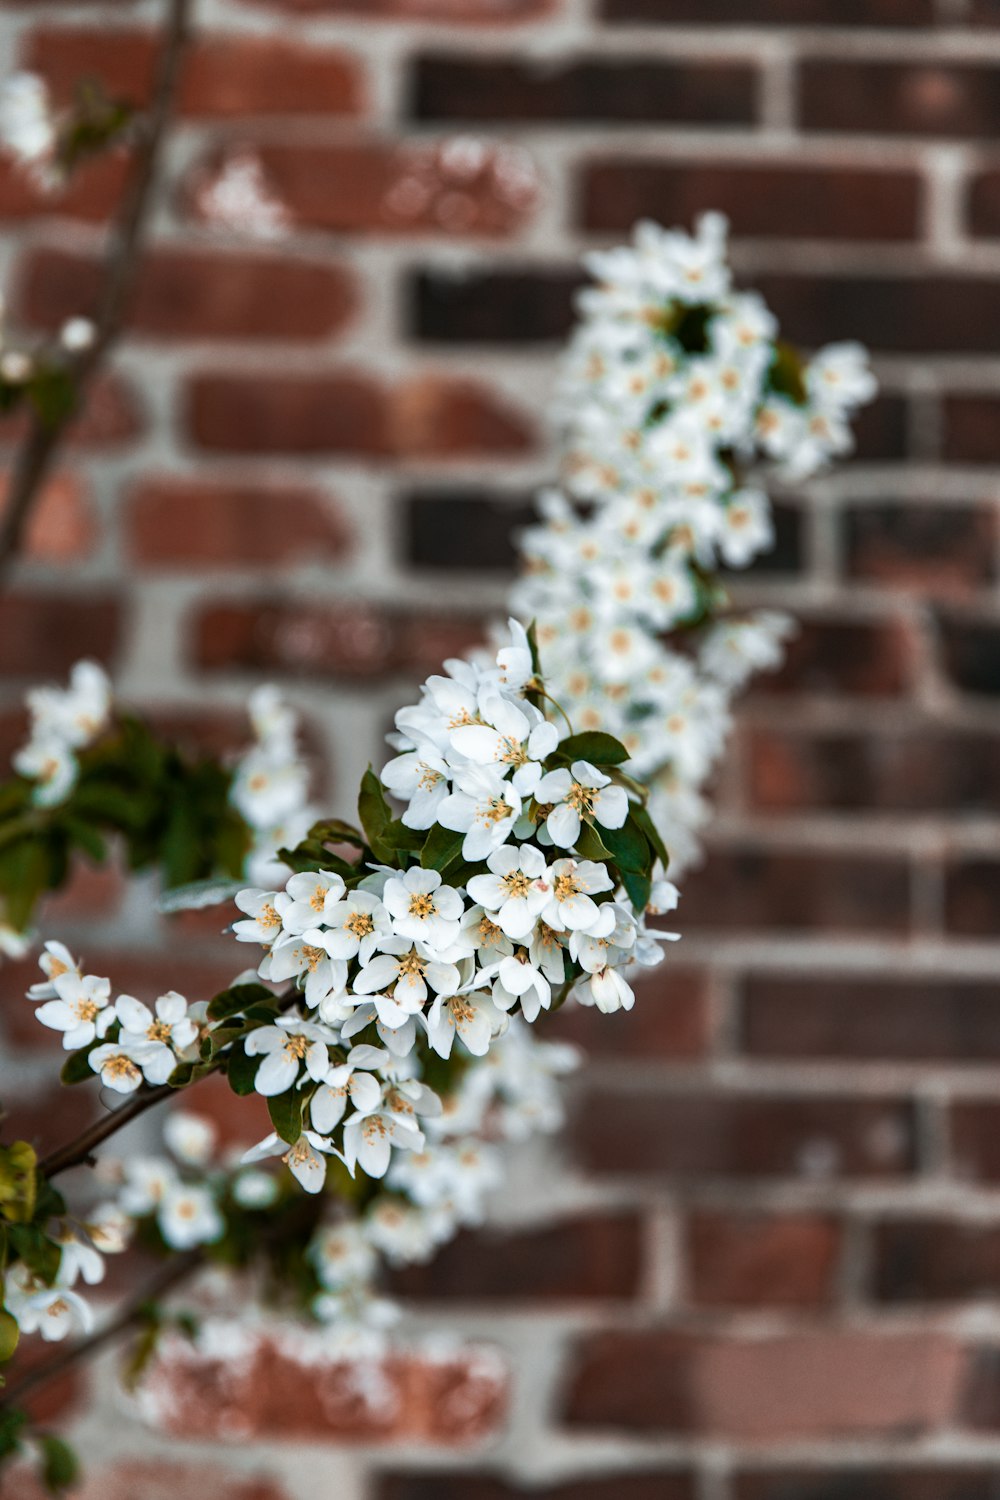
(41, 442)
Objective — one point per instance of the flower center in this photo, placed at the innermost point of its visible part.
(428, 777)
(313, 957)
(565, 887)
(296, 1045)
(318, 898)
(422, 905)
(158, 1032)
(489, 932)
(412, 965)
(85, 1010)
(517, 883)
(360, 923)
(57, 967)
(495, 810)
(121, 1066)
(513, 753)
(581, 797)
(268, 917)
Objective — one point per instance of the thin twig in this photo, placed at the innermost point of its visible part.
(134, 1311)
(79, 1151)
(41, 442)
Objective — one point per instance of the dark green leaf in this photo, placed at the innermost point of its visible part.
(638, 888)
(441, 847)
(595, 746)
(589, 845)
(286, 1114)
(39, 1253)
(60, 1468)
(76, 1068)
(629, 846)
(649, 828)
(375, 815)
(335, 831)
(235, 999)
(9, 1335)
(241, 1071)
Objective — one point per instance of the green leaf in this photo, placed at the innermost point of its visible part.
(12, 1424)
(241, 1071)
(18, 1182)
(52, 391)
(237, 998)
(629, 846)
(590, 845)
(60, 1467)
(375, 815)
(286, 1114)
(441, 848)
(786, 376)
(198, 894)
(10, 1332)
(76, 1068)
(649, 828)
(595, 746)
(336, 831)
(638, 887)
(39, 1253)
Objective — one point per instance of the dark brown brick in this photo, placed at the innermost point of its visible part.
(42, 635)
(777, 200)
(984, 204)
(972, 429)
(970, 652)
(451, 86)
(935, 1260)
(586, 1258)
(755, 1260)
(749, 887)
(863, 658)
(733, 1135)
(974, 1130)
(772, 12)
(972, 897)
(865, 1482)
(862, 1017)
(931, 314)
(671, 1019)
(922, 769)
(888, 98)
(464, 530)
(664, 1484)
(520, 305)
(941, 549)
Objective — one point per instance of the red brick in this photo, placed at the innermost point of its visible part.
(748, 887)
(193, 295)
(225, 76)
(749, 1260)
(669, 1484)
(807, 1385)
(157, 1479)
(671, 1020)
(972, 897)
(458, 12)
(289, 1390)
(425, 417)
(867, 1481)
(876, 1017)
(42, 635)
(935, 1260)
(50, 1116)
(343, 639)
(984, 204)
(109, 418)
(981, 1398)
(727, 1134)
(777, 200)
(202, 523)
(972, 429)
(923, 769)
(974, 1130)
(890, 311)
(62, 527)
(771, 12)
(888, 98)
(453, 86)
(867, 658)
(579, 1259)
(938, 549)
(92, 194)
(89, 892)
(459, 187)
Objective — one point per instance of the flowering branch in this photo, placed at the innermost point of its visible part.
(79, 1152)
(45, 431)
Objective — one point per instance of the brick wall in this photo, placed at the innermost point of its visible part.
(767, 1263)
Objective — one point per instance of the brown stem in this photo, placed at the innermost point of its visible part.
(80, 1150)
(133, 1312)
(37, 451)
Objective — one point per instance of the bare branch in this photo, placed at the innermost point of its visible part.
(41, 442)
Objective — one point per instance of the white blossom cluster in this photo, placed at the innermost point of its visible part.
(58, 1310)
(674, 390)
(63, 722)
(270, 786)
(29, 128)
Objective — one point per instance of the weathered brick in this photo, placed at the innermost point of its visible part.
(933, 314)
(519, 305)
(459, 12)
(664, 1484)
(984, 204)
(463, 530)
(740, 1135)
(969, 652)
(981, 1397)
(935, 1260)
(456, 187)
(806, 1385)
(42, 635)
(971, 427)
(941, 549)
(452, 86)
(62, 526)
(974, 1131)
(92, 194)
(196, 295)
(889, 98)
(776, 200)
(972, 896)
(585, 1258)
(866, 658)
(205, 523)
(156, 1479)
(865, 1482)
(110, 417)
(753, 1260)
(771, 12)
(671, 1019)
(858, 1017)
(224, 76)
(750, 887)
(922, 769)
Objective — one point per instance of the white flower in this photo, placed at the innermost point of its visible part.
(79, 1258)
(109, 1228)
(519, 979)
(398, 1038)
(347, 1083)
(285, 1047)
(123, 1065)
(341, 1254)
(578, 793)
(264, 909)
(51, 765)
(147, 1180)
(608, 989)
(511, 736)
(484, 807)
(354, 926)
(517, 888)
(305, 959)
(254, 1190)
(54, 1312)
(472, 1017)
(81, 1010)
(420, 778)
(27, 123)
(190, 1137)
(407, 969)
(77, 714)
(369, 1139)
(53, 962)
(171, 1026)
(423, 908)
(306, 1160)
(310, 897)
(573, 883)
(188, 1216)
